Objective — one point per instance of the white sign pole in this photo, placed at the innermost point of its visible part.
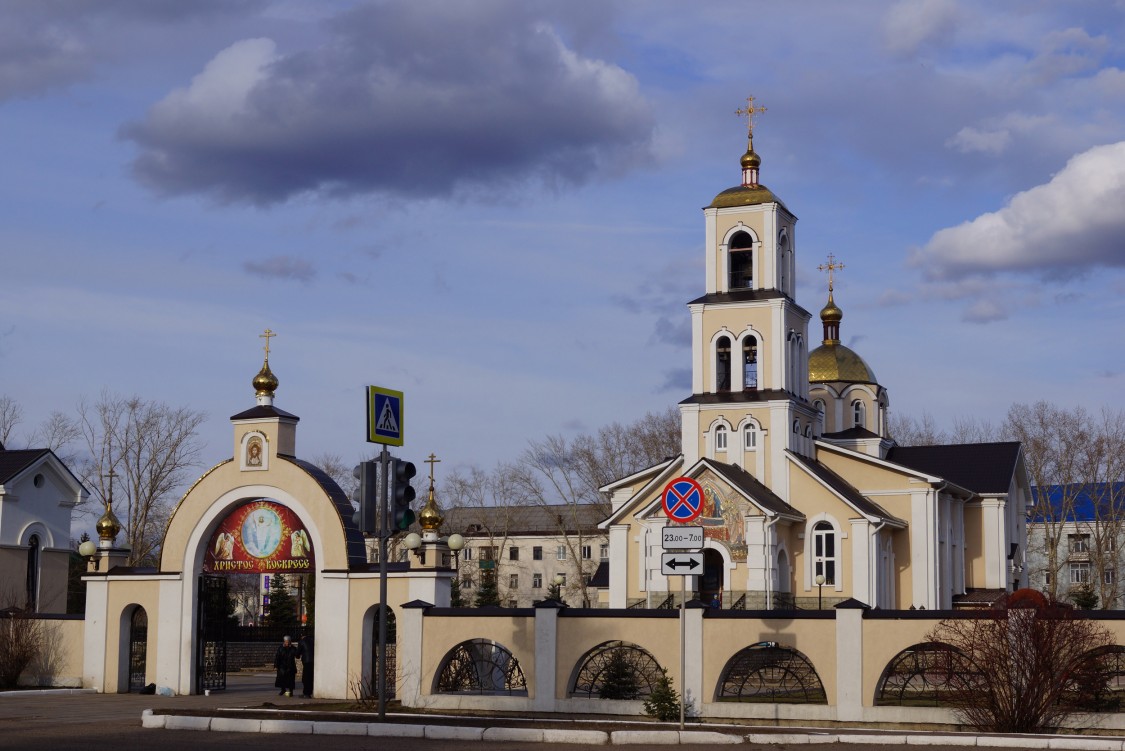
(683, 666)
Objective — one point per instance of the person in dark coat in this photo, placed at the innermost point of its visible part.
(306, 652)
(285, 662)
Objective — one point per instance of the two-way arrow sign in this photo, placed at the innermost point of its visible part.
(681, 564)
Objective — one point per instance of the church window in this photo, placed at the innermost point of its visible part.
(819, 405)
(722, 363)
(741, 261)
(749, 438)
(33, 573)
(808, 431)
(859, 414)
(720, 438)
(749, 363)
(796, 427)
(824, 552)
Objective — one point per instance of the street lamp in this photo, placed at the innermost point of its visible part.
(819, 591)
(88, 550)
(413, 542)
(456, 543)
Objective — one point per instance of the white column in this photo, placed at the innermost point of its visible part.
(94, 634)
(332, 636)
(849, 664)
(173, 632)
(408, 656)
(861, 561)
(711, 240)
(619, 565)
(923, 547)
(689, 433)
(698, 350)
(995, 552)
(757, 547)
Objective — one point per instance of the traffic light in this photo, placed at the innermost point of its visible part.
(402, 495)
(367, 496)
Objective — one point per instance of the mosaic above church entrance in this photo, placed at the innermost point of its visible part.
(724, 518)
(261, 537)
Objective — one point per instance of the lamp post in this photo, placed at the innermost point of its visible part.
(88, 550)
(819, 591)
(456, 543)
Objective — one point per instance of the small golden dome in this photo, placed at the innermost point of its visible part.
(744, 195)
(835, 362)
(831, 313)
(430, 518)
(265, 383)
(751, 159)
(108, 527)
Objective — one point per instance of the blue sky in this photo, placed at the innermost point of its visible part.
(495, 206)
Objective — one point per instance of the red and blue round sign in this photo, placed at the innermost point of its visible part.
(682, 499)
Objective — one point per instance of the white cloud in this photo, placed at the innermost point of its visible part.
(1074, 222)
(912, 25)
(969, 140)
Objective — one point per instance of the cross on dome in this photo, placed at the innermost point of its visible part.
(830, 267)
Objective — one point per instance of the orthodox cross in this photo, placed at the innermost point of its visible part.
(267, 336)
(432, 461)
(830, 267)
(110, 476)
(749, 112)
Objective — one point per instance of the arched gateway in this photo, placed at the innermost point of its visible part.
(264, 511)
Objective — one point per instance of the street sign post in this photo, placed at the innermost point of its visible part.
(682, 500)
(681, 564)
(384, 416)
(681, 538)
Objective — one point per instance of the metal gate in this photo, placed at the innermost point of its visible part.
(138, 649)
(392, 653)
(211, 646)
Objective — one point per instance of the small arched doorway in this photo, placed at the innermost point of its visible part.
(712, 579)
(138, 648)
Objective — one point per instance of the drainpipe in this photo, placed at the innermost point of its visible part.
(769, 571)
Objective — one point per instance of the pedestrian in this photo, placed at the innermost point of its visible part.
(285, 661)
(306, 652)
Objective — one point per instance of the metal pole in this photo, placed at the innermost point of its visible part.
(683, 659)
(384, 529)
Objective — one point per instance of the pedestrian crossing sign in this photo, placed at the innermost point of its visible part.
(384, 416)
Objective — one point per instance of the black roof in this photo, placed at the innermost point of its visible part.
(732, 397)
(16, 461)
(745, 295)
(750, 485)
(600, 579)
(979, 467)
(850, 434)
(512, 520)
(357, 550)
(845, 489)
(264, 410)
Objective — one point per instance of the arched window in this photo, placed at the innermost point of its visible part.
(796, 427)
(749, 438)
(766, 672)
(33, 573)
(824, 552)
(749, 363)
(722, 364)
(808, 431)
(859, 414)
(720, 438)
(480, 666)
(819, 405)
(741, 261)
(616, 670)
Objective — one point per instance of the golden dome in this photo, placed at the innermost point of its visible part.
(751, 159)
(835, 362)
(430, 518)
(265, 383)
(831, 312)
(744, 195)
(108, 527)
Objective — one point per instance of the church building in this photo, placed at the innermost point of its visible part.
(807, 499)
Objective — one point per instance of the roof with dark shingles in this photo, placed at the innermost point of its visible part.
(16, 461)
(600, 579)
(264, 410)
(731, 397)
(745, 295)
(748, 484)
(979, 467)
(850, 434)
(357, 550)
(524, 520)
(862, 503)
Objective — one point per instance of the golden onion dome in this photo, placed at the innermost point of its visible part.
(265, 383)
(835, 362)
(751, 159)
(744, 195)
(831, 312)
(429, 518)
(108, 527)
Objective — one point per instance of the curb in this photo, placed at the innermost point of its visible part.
(150, 719)
(49, 692)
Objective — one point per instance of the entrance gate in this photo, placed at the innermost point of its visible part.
(392, 654)
(138, 649)
(211, 635)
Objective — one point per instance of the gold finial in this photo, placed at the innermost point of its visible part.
(749, 112)
(108, 527)
(429, 518)
(830, 267)
(267, 336)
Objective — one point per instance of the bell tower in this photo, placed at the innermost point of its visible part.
(750, 392)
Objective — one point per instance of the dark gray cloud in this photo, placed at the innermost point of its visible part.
(677, 379)
(417, 99)
(281, 267)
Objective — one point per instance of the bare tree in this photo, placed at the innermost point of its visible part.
(1105, 470)
(11, 415)
(57, 433)
(1021, 668)
(245, 591)
(336, 468)
(149, 448)
(483, 505)
(910, 431)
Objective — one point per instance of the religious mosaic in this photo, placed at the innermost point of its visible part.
(724, 518)
(260, 537)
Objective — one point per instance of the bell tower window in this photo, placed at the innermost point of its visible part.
(722, 364)
(749, 364)
(859, 414)
(741, 261)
